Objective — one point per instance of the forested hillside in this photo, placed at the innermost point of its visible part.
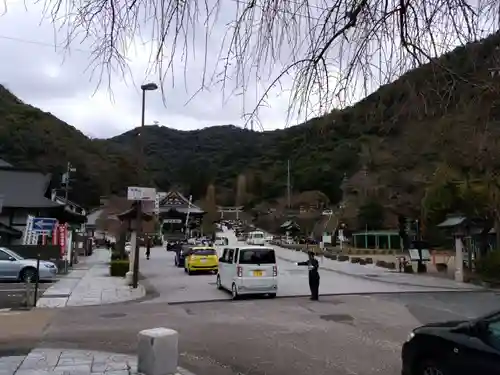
(444, 112)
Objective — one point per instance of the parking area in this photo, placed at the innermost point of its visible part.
(13, 295)
(175, 286)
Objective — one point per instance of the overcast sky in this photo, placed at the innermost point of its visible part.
(59, 82)
(40, 72)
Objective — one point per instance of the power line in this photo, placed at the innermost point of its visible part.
(43, 44)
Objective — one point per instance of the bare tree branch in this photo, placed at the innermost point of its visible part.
(334, 51)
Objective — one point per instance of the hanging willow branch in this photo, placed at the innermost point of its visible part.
(333, 50)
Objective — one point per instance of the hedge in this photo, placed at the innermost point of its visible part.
(116, 255)
(408, 268)
(119, 267)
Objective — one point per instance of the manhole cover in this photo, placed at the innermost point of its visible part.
(113, 315)
(338, 318)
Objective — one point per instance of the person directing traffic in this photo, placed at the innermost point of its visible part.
(313, 266)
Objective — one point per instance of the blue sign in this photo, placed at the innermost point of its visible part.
(44, 224)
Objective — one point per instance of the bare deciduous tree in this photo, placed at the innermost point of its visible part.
(210, 207)
(334, 51)
(241, 190)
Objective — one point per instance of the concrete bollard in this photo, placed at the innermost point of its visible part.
(158, 351)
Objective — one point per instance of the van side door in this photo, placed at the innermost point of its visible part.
(223, 267)
(231, 267)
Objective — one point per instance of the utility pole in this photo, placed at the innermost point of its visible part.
(66, 180)
(141, 167)
(288, 188)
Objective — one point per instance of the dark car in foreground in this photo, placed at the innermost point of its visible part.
(470, 347)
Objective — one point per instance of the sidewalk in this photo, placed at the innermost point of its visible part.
(376, 274)
(89, 284)
(81, 362)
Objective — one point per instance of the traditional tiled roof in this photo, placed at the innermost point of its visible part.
(178, 202)
(24, 188)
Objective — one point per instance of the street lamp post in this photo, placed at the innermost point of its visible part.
(144, 88)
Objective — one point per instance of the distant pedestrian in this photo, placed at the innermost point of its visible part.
(148, 247)
(313, 266)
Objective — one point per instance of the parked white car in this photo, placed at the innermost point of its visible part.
(221, 241)
(15, 267)
(256, 238)
(248, 270)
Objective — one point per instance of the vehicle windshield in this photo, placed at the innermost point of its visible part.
(257, 256)
(258, 235)
(204, 252)
(11, 253)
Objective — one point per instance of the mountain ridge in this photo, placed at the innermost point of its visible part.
(388, 145)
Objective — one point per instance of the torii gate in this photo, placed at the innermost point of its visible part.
(230, 209)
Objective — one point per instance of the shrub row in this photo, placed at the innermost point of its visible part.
(372, 251)
(116, 255)
(384, 264)
(119, 267)
(441, 267)
(488, 267)
(361, 261)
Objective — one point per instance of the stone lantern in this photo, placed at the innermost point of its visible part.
(457, 225)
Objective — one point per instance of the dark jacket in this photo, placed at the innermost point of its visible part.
(313, 267)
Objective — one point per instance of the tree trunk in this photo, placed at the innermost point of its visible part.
(122, 239)
(497, 232)
(484, 236)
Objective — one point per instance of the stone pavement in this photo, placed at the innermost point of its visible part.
(90, 284)
(71, 362)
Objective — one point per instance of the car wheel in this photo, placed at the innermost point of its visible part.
(218, 283)
(430, 367)
(234, 292)
(272, 295)
(28, 274)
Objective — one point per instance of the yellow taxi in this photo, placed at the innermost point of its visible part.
(201, 258)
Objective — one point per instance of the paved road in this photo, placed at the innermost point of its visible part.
(12, 294)
(174, 286)
(340, 335)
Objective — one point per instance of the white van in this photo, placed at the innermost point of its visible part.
(221, 241)
(256, 238)
(248, 270)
